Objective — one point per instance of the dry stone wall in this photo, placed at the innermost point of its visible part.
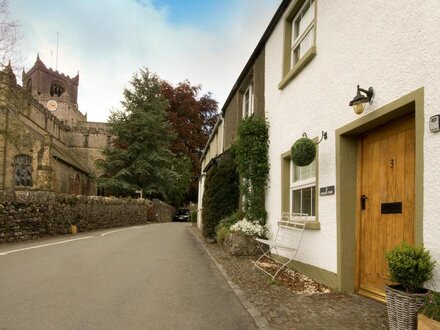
(162, 212)
(26, 215)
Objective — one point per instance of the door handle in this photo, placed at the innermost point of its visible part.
(363, 202)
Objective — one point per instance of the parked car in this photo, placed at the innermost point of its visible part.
(182, 215)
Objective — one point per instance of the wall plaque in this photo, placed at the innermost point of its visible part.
(326, 191)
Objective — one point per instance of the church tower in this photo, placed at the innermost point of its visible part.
(55, 91)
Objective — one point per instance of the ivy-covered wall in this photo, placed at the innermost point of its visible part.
(251, 151)
(221, 195)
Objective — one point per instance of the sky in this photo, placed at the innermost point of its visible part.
(207, 42)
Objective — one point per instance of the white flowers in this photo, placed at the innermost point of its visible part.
(249, 228)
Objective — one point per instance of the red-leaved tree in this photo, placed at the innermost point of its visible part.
(192, 118)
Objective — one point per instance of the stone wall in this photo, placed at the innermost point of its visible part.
(26, 215)
(162, 212)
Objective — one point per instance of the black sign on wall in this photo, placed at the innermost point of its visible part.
(326, 191)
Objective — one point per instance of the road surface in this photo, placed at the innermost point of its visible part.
(146, 277)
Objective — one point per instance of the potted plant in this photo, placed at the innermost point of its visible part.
(410, 267)
(429, 315)
(303, 152)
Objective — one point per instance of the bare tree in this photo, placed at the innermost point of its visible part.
(9, 34)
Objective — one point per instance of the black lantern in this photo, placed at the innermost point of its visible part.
(359, 101)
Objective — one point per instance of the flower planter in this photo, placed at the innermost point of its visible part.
(425, 323)
(402, 307)
(240, 245)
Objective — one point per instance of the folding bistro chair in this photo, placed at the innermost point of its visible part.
(287, 238)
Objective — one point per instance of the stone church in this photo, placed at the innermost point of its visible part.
(46, 143)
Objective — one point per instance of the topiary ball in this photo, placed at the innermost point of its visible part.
(303, 152)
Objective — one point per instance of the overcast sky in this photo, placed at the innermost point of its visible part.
(205, 41)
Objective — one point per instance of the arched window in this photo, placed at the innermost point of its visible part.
(56, 89)
(77, 185)
(23, 170)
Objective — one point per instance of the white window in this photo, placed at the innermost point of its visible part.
(303, 27)
(248, 102)
(303, 189)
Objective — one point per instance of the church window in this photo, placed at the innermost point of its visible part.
(56, 89)
(77, 185)
(23, 170)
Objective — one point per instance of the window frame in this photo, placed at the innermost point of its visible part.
(250, 112)
(286, 178)
(290, 69)
(297, 42)
(302, 184)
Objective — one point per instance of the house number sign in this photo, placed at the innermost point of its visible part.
(326, 191)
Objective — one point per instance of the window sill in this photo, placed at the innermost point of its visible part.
(313, 225)
(308, 56)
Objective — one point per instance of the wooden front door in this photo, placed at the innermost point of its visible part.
(386, 201)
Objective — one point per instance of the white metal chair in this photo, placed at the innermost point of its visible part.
(287, 238)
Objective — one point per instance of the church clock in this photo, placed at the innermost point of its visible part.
(52, 105)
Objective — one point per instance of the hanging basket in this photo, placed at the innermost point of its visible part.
(303, 152)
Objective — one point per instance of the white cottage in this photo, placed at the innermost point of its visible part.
(382, 164)
(374, 182)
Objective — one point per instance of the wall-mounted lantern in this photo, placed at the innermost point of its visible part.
(359, 101)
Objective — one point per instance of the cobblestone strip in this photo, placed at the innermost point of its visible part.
(259, 319)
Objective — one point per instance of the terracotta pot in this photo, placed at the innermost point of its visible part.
(425, 323)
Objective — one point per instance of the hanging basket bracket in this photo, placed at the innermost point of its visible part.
(323, 136)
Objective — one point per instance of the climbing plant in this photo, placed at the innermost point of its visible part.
(252, 160)
(220, 198)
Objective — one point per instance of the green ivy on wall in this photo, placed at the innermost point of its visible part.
(220, 198)
(252, 160)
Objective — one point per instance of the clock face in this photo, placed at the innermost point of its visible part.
(52, 105)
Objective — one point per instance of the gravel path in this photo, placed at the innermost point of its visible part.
(278, 307)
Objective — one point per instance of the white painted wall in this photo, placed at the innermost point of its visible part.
(393, 46)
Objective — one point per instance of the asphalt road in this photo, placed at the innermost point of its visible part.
(149, 277)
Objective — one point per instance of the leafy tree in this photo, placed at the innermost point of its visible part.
(192, 117)
(182, 165)
(221, 195)
(140, 157)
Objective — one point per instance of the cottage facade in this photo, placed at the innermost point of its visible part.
(376, 160)
(373, 183)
